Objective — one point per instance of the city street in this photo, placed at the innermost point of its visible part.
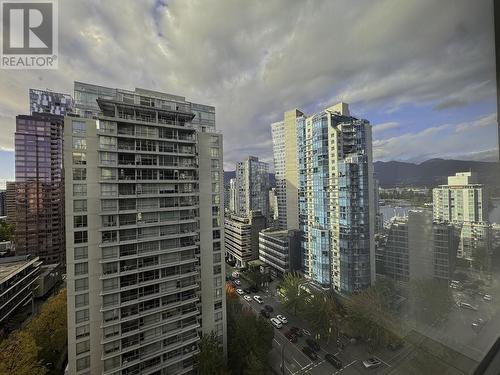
(296, 362)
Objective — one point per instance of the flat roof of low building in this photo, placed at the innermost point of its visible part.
(11, 265)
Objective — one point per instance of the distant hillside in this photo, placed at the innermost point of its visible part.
(433, 172)
(231, 174)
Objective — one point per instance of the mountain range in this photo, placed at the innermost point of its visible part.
(429, 173)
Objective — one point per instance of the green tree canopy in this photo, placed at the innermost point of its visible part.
(210, 360)
(293, 297)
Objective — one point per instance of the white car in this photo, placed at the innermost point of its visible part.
(466, 305)
(237, 282)
(487, 297)
(247, 298)
(240, 291)
(258, 299)
(282, 319)
(371, 363)
(275, 322)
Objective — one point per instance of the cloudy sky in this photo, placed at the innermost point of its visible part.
(421, 71)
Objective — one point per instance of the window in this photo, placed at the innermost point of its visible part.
(79, 174)
(81, 252)
(80, 221)
(217, 269)
(81, 284)
(109, 190)
(107, 143)
(79, 128)
(79, 205)
(215, 163)
(217, 246)
(81, 237)
(218, 316)
(218, 281)
(79, 190)
(217, 257)
(79, 158)
(82, 331)
(81, 316)
(214, 152)
(81, 268)
(81, 300)
(218, 305)
(108, 174)
(79, 143)
(83, 347)
(82, 363)
(218, 293)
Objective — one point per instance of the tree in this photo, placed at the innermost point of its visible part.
(246, 334)
(322, 312)
(369, 317)
(6, 231)
(292, 296)
(431, 300)
(255, 367)
(49, 328)
(481, 258)
(19, 355)
(210, 360)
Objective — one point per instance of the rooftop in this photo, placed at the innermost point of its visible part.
(12, 265)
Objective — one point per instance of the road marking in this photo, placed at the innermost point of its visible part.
(315, 365)
(297, 362)
(346, 366)
(385, 363)
(277, 342)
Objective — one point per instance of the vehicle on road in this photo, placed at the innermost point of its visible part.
(371, 363)
(305, 332)
(477, 323)
(487, 297)
(269, 308)
(247, 298)
(247, 290)
(276, 323)
(310, 353)
(265, 313)
(292, 337)
(258, 299)
(466, 305)
(240, 292)
(337, 363)
(254, 289)
(297, 331)
(237, 282)
(313, 344)
(235, 274)
(282, 319)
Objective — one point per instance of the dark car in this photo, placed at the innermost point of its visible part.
(310, 353)
(247, 290)
(297, 331)
(269, 308)
(265, 313)
(313, 344)
(291, 336)
(254, 289)
(337, 363)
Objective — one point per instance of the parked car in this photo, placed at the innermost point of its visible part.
(254, 289)
(466, 305)
(247, 290)
(282, 319)
(477, 324)
(337, 363)
(297, 331)
(310, 353)
(265, 313)
(313, 344)
(371, 363)
(258, 299)
(269, 308)
(237, 282)
(276, 323)
(305, 332)
(291, 336)
(240, 292)
(247, 298)
(487, 297)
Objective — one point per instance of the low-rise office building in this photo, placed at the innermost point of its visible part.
(18, 282)
(242, 237)
(280, 249)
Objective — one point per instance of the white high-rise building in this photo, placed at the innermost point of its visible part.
(464, 202)
(144, 216)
